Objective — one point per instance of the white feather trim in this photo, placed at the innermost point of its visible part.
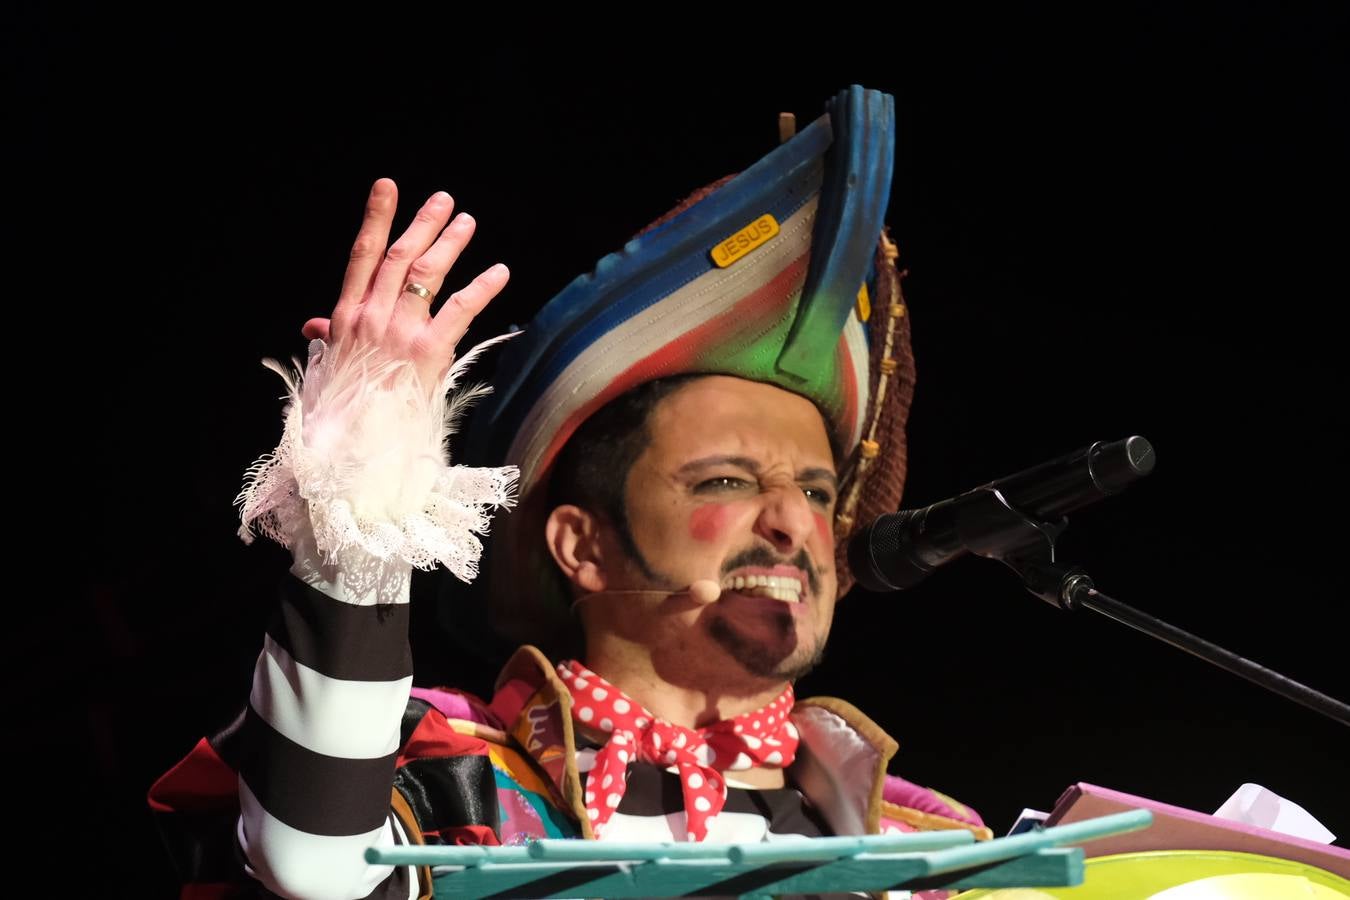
(363, 460)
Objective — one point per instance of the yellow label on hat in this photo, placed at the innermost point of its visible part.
(742, 242)
(864, 304)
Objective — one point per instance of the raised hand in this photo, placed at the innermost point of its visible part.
(387, 294)
(361, 464)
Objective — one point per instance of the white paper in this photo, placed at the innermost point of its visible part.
(1029, 820)
(1254, 805)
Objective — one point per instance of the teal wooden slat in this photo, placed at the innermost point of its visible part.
(829, 848)
(653, 869)
(872, 873)
(1008, 847)
(516, 880)
(810, 865)
(556, 850)
(441, 855)
(675, 878)
(1047, 867)
(563, 850)
(511, 879)
(1053, 867)
(571, 879)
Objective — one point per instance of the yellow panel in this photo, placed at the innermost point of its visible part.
(1187, 875)
(742, 242)
(864, 304)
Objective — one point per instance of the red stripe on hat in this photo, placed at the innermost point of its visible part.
(677, 357)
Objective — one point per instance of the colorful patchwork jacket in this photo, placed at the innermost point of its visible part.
(470, 772)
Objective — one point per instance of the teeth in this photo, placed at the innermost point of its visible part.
(776, 586)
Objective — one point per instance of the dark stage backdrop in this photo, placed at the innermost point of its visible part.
(1112, 227)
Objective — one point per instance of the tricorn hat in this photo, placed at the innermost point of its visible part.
(782, 274)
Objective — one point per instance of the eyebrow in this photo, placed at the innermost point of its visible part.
(750, 465)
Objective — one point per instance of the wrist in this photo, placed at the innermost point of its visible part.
(362, 461)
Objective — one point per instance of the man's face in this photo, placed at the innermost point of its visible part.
(738, 486)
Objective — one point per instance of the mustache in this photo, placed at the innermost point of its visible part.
(763, 556)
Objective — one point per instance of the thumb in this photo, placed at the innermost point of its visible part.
(316, 329)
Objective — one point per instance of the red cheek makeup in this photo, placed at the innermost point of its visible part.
(823, 530)
(707, 522)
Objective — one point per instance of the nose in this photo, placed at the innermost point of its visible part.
(785, 519)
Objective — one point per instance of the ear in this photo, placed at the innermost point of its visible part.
(573, 536)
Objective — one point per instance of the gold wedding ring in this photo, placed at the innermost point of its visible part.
(413, 287)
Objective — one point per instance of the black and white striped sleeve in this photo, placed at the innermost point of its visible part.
(321, 735)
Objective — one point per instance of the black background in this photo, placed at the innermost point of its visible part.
(1114, 226)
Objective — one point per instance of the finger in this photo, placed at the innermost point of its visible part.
(429, 271)
(316, 329)
(393, 272)
(368, 249)
(453, 318)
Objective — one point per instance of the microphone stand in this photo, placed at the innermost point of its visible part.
(1027, 546)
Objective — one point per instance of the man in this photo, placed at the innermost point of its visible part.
(697, 425)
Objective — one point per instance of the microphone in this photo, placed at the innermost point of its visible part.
(703, 592)
(899, 549)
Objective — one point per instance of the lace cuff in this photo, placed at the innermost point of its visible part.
(362, 459)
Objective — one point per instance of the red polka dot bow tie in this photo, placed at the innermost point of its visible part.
(763, 737)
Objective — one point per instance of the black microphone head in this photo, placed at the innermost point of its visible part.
(1118, 463)
(876, 559)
